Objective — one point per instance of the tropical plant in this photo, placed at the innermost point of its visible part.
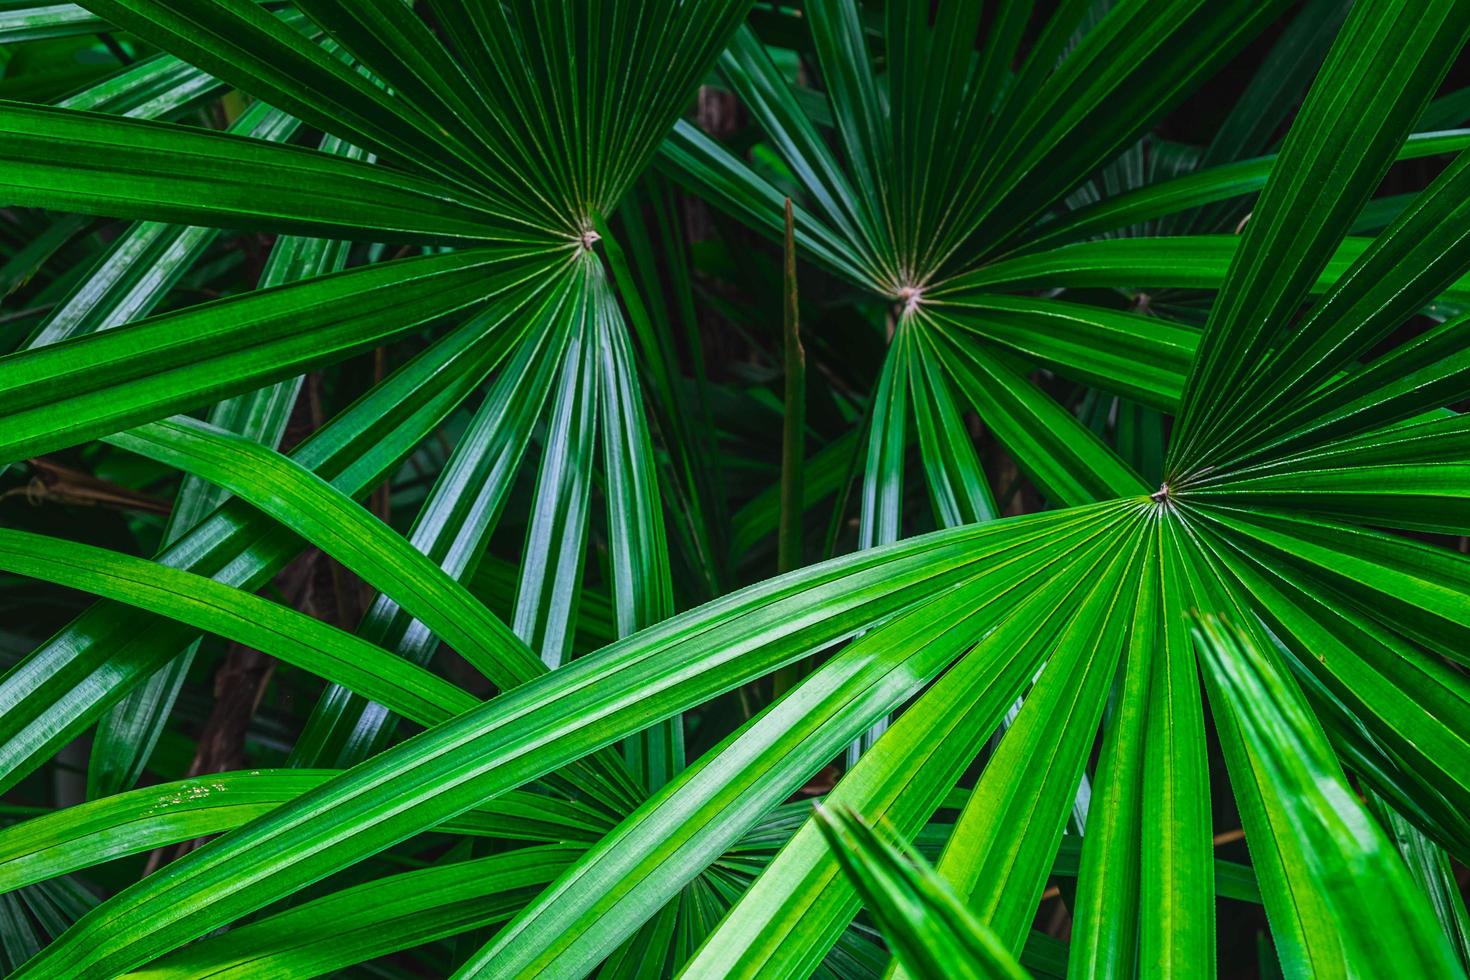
(476, 537)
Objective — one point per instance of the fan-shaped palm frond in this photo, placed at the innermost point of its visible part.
(1229, 556)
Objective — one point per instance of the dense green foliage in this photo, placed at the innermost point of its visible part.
(472, 474)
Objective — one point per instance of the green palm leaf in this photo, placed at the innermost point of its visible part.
(1148, 408)
(932, 931)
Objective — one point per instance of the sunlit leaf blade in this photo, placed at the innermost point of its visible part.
(956, 481)
(510, 740)
(1432, 872)
(451, 528)
(373, 919)
(142, 819)
(931, 930)
(1176, 918)
(248, 619)
(795, 911)
(130, 280)
(1067, 462)
(1419, 588)
(330, 519)
(60, 687)
(159, 87)
(998, 858)
(77, 390)
(1254, 423)
(693, 484)
(642, 586)
(162, 172)
(326, 517)
(33, 20)
(693, 820)
(552, 556)
(888, 427)
(1142, 358)
(1105, 933)
(1380, 924)
(1411, 262)
(1414, 705)
(126, 736)
(1359, 110)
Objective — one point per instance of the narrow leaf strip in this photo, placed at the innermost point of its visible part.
(1380, 924)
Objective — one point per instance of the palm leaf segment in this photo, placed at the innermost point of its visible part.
(941, 163)
(519, 134)
(518, 184)
(911, 177)
(1334, 629)
(928, 172)
(1286, 445)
